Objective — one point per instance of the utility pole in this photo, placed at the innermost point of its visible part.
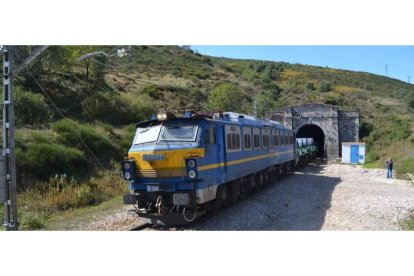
(408, 78)
(8, 186)
(386, 70)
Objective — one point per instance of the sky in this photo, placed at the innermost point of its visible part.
(395, 61)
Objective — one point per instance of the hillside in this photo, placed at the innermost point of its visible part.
(101, 98)
(175, 77)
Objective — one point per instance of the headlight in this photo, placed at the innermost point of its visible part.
(127, 166)
(191, 163)
(127, 175)
(128, 169)
(192, 174)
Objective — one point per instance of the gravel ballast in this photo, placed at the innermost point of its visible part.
(317, 197)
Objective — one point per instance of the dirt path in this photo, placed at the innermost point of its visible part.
(322, 197)
(317, 197)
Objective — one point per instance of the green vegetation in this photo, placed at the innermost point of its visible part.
(31, 109)
(47, 199)
(409, 223)
(96, 103)
(227, 96)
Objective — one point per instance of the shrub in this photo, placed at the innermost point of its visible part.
(86, 197)
(368, 86)
(42, 161)
(410, 100)
(332, 100)
(31, 221)
(31, 109)
(405, 166)
(371, 156)
(325, 86)
(72, 134)
(153, 91)
(310, 86)
(109, 108)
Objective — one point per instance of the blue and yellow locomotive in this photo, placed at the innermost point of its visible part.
(180, 168)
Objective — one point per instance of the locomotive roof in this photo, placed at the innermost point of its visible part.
(228, 117)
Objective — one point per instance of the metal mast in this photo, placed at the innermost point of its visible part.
(8, 187)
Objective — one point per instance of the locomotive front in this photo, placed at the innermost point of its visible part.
(161, 169)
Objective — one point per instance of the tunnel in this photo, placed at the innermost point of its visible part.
(315, 132)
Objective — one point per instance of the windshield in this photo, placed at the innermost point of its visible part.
(169, 132)
(147, 134)
(178, 132)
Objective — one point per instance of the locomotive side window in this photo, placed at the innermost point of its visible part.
(233, 141)
(232, 138)
(256, 138)
(228, 139)
(281, 140)
(247, 138)
(276, 137)
(266, 138)
(271, 138)
(285, 138)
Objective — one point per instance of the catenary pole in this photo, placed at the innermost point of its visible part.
(8, 161)
(8, 185)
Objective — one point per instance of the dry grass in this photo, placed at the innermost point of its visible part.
(345, 89)
(60, 194)
(287, 74)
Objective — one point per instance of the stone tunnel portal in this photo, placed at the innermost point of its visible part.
(315, 132)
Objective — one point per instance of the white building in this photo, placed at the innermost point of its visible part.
(353, 153)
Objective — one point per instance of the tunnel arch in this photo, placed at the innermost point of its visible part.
(315, 132)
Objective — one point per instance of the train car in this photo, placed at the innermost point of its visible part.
(306, 150)
(179, 168)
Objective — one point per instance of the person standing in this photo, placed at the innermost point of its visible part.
(389, 164)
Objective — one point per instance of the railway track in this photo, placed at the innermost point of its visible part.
(203, 218)
(150, 227)
(199, 220)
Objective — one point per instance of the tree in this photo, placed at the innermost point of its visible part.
(227, 97)
(31, 109)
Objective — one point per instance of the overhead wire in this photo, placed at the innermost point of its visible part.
(89, 150)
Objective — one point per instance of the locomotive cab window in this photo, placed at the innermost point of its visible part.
(146, 134)
(178, 132)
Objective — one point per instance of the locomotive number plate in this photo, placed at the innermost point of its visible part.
(153, 157)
